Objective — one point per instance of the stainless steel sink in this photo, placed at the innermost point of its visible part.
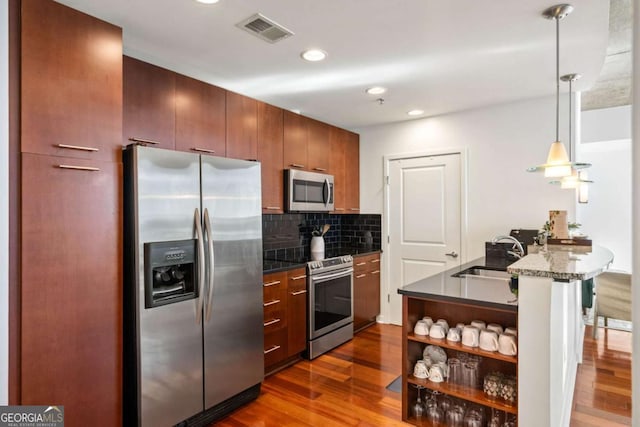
(486, 284)
(480, 271)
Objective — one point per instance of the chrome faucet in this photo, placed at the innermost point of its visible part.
(516, 250)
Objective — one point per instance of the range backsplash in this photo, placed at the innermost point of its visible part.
(288, 236)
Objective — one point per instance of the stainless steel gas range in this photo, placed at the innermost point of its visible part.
(330, 286)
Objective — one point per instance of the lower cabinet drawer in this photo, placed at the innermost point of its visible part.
(275, 347)
(274, 317)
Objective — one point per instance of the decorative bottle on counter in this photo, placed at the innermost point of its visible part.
(317, 248)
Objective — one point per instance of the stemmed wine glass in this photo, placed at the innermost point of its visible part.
(435, 414)
(419, 409)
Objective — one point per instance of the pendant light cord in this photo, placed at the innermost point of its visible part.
(570, 123)
(557, 79)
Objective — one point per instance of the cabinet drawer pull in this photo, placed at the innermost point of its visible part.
(271, 322)
(251, 160)
(320, 169)
(79, 168)
(360, 263)
(273, 208)
(360, 276)
(354, 209)
(273, 348)
(299, 277)
(203, 150)
(275, 301)
(375, 260)
(77, 147)
(339, 209)
(299, 292)
(143, 141)
(275, 282)
(297, 165)
(375, 272)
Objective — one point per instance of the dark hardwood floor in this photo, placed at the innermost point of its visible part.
(347, 386)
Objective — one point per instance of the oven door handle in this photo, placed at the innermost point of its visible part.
(325, 277)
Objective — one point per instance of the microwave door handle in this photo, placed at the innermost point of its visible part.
(201, 266)
(207, 228)
(326, 192)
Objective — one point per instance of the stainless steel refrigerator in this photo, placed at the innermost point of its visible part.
(193, 315)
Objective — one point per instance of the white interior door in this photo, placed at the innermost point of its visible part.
(424, 221)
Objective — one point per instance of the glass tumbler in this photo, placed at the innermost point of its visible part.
(509, 390)
(492, 385)
(455, 371)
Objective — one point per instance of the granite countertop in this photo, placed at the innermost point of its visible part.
(564, 263)
(482, 292)
(275, 265)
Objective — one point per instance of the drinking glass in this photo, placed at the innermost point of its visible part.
(510, 421)
(435, 414)
(474, 417)
(509, 390)
(495, 419)
(419, 409)
(455, 371)
(455, 415)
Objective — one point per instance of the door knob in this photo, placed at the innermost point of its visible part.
(452, 254)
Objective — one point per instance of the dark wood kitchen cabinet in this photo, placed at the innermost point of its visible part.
(242, 127)
(71, 287)
(71, 83)
(306, 143)
(149, 112)
(366, 290)
(200, 116)
(270, 152)
(69, 292)
(319, 147)
(296, 311)
(352, 173)
(337, 141)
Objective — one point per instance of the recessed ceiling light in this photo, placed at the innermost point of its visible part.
(207, 1)
(314, 55)
(376, 90)
(415, 112)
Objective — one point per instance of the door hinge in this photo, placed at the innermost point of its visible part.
(388, 239)
(387, 179)
(388, 297)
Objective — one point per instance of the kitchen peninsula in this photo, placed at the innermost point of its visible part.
(548, 316)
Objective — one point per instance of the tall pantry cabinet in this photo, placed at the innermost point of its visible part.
(71, 179)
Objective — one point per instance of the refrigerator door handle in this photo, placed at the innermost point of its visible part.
(207, 228)
(200, 261)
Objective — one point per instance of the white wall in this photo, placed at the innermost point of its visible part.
(606, 144)
(502, 141)
(635, 368)
(4, 204)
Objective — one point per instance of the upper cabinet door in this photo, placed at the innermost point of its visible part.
(71, 83)
(296, 136)
(318, 151)
(149, 104)
(270, 154)
(200, 116)
(337, 142)
(242, 127)
(352, 172)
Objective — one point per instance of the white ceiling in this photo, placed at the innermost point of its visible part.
(438, 56)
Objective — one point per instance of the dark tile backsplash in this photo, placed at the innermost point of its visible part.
(287, 236)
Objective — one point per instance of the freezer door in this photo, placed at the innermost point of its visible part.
(233, 319)
(170, 336)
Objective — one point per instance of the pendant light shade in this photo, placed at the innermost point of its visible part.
(558, 164)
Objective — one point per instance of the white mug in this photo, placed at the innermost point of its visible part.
(453, 335)
(488, 340)
(511, 330)
(507, 344)
(460, 326)
(437, 331)
(495, 327)
(420, 370)
(429, 320)
(470, 336)
(421, 328)
(436, 373)
(480, 324)
(444, 324)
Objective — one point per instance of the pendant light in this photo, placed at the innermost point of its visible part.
(558, 163)
(576, 179)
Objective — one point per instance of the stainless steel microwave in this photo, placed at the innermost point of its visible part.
(308, 191)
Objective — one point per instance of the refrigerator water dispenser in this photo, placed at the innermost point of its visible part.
(169, 272)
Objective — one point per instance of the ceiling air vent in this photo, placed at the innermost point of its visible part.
(265, 28)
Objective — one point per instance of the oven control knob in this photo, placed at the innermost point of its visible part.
(347, 258)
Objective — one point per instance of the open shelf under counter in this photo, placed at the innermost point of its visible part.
(459, 347)
(464, 393)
